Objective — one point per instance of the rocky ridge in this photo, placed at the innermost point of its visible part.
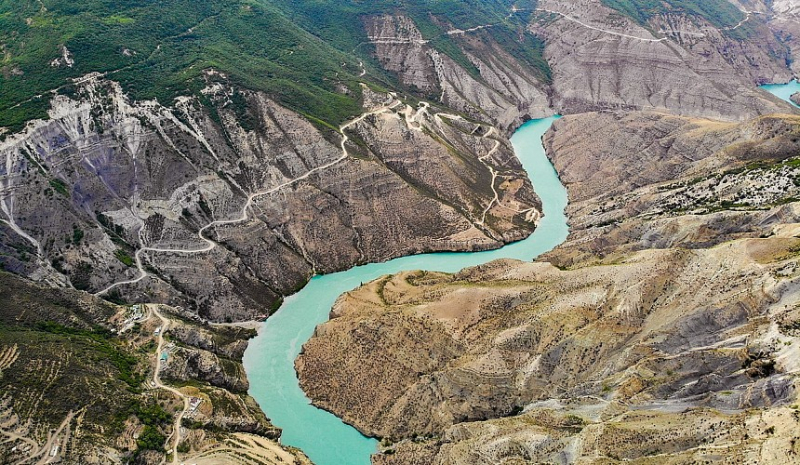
(602, 60)
(598, 59)
(210, 207)
(122, 197)
(663, 319)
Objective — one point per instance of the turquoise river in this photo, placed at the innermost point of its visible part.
(784, 91)
(269, 360)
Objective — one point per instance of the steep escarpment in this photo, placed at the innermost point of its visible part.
(783, 16)
(693, 182)
(666, 148)
(601, 59)
(227, 205)
(673, 317)
(589, 55)
(489, 81)
(225, 199)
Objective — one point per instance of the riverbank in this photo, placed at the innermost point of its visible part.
(659, 329)
(269, 359)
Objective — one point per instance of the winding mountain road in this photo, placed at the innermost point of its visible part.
(606, 31)
(175, 437)
(245, 215)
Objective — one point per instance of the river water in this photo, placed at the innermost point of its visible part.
(269, 360)
(784, 91)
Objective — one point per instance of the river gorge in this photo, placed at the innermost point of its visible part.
(269, 359)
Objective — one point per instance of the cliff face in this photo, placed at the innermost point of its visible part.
(783, 19)
(502, 87)
(603, 60)
(226, 201)
(229, 205)
(693, 183)
(662, 327)
(598, 59)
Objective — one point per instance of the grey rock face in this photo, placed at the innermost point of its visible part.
(505, 90)
(602, 60)
(226, 214)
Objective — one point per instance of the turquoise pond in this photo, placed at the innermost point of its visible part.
(269, 359)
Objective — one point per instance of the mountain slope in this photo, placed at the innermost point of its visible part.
(76, 381)
(212, 210)
(673, 302)
(160, 49)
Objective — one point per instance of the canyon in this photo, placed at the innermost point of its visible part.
(651, 313)
(211, 177)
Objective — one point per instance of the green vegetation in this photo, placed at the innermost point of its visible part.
(67, 360)
(159, 50)
(81, 276)
(152, 414)
(530, 50)
(77, 234)
(151, 439)
(720, 13)
(58, 185)
(342, 24)
(123, 256)
(100, 341)
(299, 52)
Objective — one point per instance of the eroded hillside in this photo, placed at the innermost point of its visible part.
(228, 209)
(78, 384)
(227, 193)
(663, 328)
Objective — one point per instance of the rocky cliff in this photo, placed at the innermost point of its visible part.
(226, 203)
(783, 17)
(596, 58)
(676, 309)
(601, 59)
(502, 87)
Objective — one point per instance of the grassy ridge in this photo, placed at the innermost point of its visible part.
(159, 49)
(297, 51)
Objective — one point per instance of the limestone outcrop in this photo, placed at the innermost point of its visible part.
(503, 87)
(603, 60)
(598, 59)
